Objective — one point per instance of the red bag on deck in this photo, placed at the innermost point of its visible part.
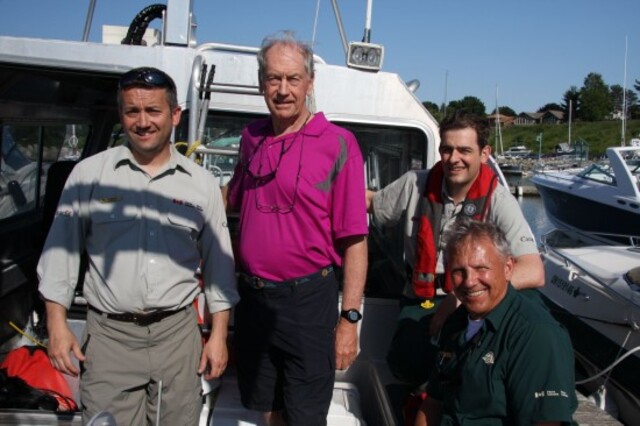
(32, 365)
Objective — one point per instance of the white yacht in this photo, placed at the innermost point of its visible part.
(48, 87)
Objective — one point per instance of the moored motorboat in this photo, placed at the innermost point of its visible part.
(603, 198)
(593, 288)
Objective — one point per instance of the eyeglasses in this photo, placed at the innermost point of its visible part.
(146, 76)
(261, 179)
(282, 209)
(257, 177)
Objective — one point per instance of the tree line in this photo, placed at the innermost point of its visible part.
(594, 101)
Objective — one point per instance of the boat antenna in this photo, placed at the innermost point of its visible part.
(366, 38)
(87, 24)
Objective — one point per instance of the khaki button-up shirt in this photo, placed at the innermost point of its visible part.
(145, 237)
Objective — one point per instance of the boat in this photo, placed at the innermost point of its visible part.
(511, 169)
(50, 85)
(593, 288)
(602, 198)
(517, 151)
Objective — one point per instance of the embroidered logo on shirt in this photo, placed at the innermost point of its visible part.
(187, 203)
(109, 200)
(489, 358)
(551, 393)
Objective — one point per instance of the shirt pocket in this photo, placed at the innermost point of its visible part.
(184, 227)
(115, 215)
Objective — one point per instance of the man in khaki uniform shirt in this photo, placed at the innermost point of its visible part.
(147, 218)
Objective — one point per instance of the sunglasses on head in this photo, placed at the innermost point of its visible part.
(149, 77)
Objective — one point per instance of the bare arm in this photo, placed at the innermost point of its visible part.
(215, 355)
(355, 274)
(528, 272)
(62, 341)
(369, 196)
(430, 413)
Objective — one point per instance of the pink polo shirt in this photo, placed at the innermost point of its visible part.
(291, 223)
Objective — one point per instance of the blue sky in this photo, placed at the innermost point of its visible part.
(531, 52)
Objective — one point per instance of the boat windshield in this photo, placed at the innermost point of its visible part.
(599, 173)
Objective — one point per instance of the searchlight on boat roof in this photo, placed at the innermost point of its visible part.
(365, 56)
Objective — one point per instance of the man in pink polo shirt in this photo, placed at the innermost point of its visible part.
(299, 188)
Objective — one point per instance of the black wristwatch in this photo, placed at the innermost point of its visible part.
(352, 315)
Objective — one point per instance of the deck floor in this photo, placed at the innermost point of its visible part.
(588, 414)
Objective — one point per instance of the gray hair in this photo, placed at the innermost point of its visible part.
(465, 229)
(286, 38)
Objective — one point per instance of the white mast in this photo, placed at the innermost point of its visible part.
(499, 147)
(570, 115)
(624, 95)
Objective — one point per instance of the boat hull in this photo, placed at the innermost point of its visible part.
(587, 292)
(567, 209)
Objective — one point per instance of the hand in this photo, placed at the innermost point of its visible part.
(214, 358)
(446, 308)
(62, 341)
(346, 344)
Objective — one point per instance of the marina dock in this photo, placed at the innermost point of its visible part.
(588, 414)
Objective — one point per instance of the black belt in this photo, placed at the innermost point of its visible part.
(138, 318)
(258, 283)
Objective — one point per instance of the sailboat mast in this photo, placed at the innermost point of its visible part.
(624, 96)
(570, 116)
(499, 147)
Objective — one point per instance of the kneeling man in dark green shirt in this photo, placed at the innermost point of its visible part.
(503, 359)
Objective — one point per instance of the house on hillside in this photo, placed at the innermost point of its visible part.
(531, 118)
(553, 117)
(504, 120)
(528, 118)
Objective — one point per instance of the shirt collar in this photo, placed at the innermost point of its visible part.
(496, 316)
(176, 160)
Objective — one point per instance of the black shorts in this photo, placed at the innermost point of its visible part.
(285, 348)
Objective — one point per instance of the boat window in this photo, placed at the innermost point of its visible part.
(218, 149)
(598, 173)
(389, 151)
(27, 152)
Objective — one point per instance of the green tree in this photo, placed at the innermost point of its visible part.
(550, 107)
(629, 99)
(434, 109)
(595, 99)
(468, 103)
(505, 110)
(571, 98)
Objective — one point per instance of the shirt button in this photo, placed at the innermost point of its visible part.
(152, 261)
(152, 233)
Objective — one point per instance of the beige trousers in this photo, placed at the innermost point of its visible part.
(125, 364)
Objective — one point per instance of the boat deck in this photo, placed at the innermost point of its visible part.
(588, 414)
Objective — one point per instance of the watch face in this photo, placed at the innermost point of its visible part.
(352, 315)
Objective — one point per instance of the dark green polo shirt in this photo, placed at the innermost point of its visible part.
(518, 369)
